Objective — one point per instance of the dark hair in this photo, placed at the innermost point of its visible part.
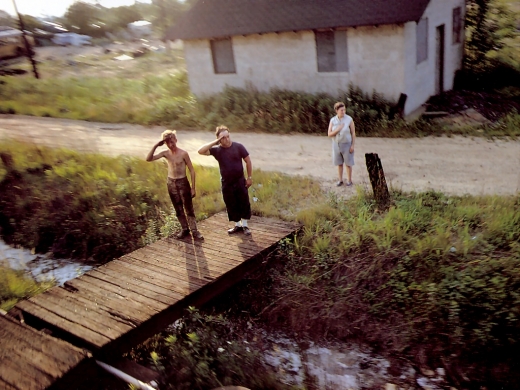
(220, 129)
(338, 105)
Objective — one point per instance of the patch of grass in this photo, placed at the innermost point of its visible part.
(113, 100)
(16, 285)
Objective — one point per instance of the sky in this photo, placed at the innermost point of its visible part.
(41, 8)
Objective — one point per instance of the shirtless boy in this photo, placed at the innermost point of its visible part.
(179, 188)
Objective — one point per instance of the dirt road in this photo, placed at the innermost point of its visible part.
(452, 165)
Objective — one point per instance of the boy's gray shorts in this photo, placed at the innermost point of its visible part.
(341, 154)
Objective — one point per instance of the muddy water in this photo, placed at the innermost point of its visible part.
(42, 267)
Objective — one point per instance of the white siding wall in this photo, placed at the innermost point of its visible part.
(420, 78)
(377, 59)
(285, 60)
(288, 61)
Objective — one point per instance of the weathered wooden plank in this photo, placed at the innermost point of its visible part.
(6, 386)
(113, 313)
(33, 360)
(191, 255)
(201, 267)
(162, 275)
(249, 245)
(192, 271)
(25, 355)
(64, 324)
(272, 221)
(258, 228)
(179, 283)
(61, 308)
(89, 286)
(90, 309)
(14, 334)
(213, 227)
(193, 260)
(226, 254)
(129, 291)
(149, 290)
(239, 249)
(122, 267)
(100, 279)
(28, 378)
(118, 319)
(232, 247)
(218, 254)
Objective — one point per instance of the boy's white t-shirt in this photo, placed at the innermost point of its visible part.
(344, 136)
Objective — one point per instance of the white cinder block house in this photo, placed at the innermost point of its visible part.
(393, 47)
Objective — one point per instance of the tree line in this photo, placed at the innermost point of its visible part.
(96, 20)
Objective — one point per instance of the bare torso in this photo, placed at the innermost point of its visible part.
(176, 163)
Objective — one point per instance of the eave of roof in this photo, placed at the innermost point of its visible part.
(224, 18)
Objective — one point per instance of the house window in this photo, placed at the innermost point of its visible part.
(331, 51)
(222, 54)
(457, 25)
(422, 40)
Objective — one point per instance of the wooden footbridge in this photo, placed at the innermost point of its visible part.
(114, 307)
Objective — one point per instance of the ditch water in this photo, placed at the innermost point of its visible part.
(42, 267)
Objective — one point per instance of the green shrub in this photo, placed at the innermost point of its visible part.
(203, 352)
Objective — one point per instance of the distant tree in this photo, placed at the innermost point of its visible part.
(489, 25)
(167, 12)
(85, 18)
(124, 15)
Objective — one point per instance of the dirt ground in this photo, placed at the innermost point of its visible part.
(454, 165)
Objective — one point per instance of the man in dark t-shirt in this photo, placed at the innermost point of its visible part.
(234, 185)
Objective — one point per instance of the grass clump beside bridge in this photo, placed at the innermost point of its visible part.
(16, 285)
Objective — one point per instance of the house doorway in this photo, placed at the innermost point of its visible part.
(439, 60)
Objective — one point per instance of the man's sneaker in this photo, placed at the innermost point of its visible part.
(235, 229)
(339, 184)
(182, 234)
(247, 232)
(197, 235)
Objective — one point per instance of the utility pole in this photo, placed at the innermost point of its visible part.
(28, 50)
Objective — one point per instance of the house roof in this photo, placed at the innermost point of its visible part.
(224, 18)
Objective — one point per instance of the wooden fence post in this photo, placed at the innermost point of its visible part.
(377, 179)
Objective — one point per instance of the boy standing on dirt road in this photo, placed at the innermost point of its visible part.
(181, 193)
(234, 185)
